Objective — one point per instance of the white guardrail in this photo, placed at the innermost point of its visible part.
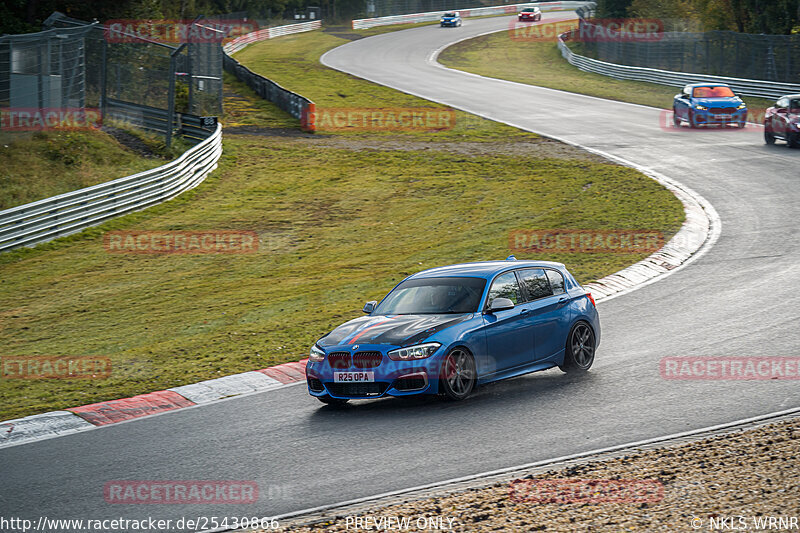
(362, 24)
(74, 211)
(234, 45)
(757, 88)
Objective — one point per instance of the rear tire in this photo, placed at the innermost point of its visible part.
(769, 138)
(458, 375)
(793, 140)
(332, 401)
(579, 350)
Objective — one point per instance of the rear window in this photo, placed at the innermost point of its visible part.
(712, 92)
(556, 281)
(535, 282)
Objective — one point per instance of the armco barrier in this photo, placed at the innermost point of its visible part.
(411, 18)
(74, 211)
(296, 105)
(269, 33)
(757, 88)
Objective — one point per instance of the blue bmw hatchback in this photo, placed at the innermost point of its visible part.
(446, 330)
(703, 104)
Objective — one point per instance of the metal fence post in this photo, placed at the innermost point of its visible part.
(103, 69)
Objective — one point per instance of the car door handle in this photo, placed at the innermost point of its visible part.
(525, 311)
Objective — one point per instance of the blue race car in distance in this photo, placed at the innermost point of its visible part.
(445, 330)
(706, 104)
(452, 19)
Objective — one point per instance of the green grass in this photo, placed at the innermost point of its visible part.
(338, 225)
(293, 62)
(497, 55)
(44, 164)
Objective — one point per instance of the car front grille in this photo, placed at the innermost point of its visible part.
(339, 360)
(367, 359)
(357, 389)
(723, 110)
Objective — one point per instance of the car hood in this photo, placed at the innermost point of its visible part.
(717, 102)
(395, 330)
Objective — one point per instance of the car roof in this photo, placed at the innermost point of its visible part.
(483, 269)
(789, 96)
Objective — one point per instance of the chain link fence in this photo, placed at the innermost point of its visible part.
(154, 85)
(716, 53)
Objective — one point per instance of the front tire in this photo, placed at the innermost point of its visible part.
(458, 375)
(676, 121)
(793, 140)
(692, 120)
(579, 350)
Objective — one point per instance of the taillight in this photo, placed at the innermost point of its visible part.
(591, 298)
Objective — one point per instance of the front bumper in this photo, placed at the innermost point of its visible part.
(451, 23)
(391, 378)
(709, 118)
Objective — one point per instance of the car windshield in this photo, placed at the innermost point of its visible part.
(529, 10)
(449, 15)
(794, 105)
(433, 296)
(712, 92)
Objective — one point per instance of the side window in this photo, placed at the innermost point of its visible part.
(505, 286)
(556, 281)
(535, 282)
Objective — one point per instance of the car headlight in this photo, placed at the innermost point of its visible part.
(742, 106)
(698, 106)
(795, 125)
(420, 351)
(316, 355)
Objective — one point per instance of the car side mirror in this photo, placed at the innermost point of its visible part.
(500, 304)
(370, 306)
